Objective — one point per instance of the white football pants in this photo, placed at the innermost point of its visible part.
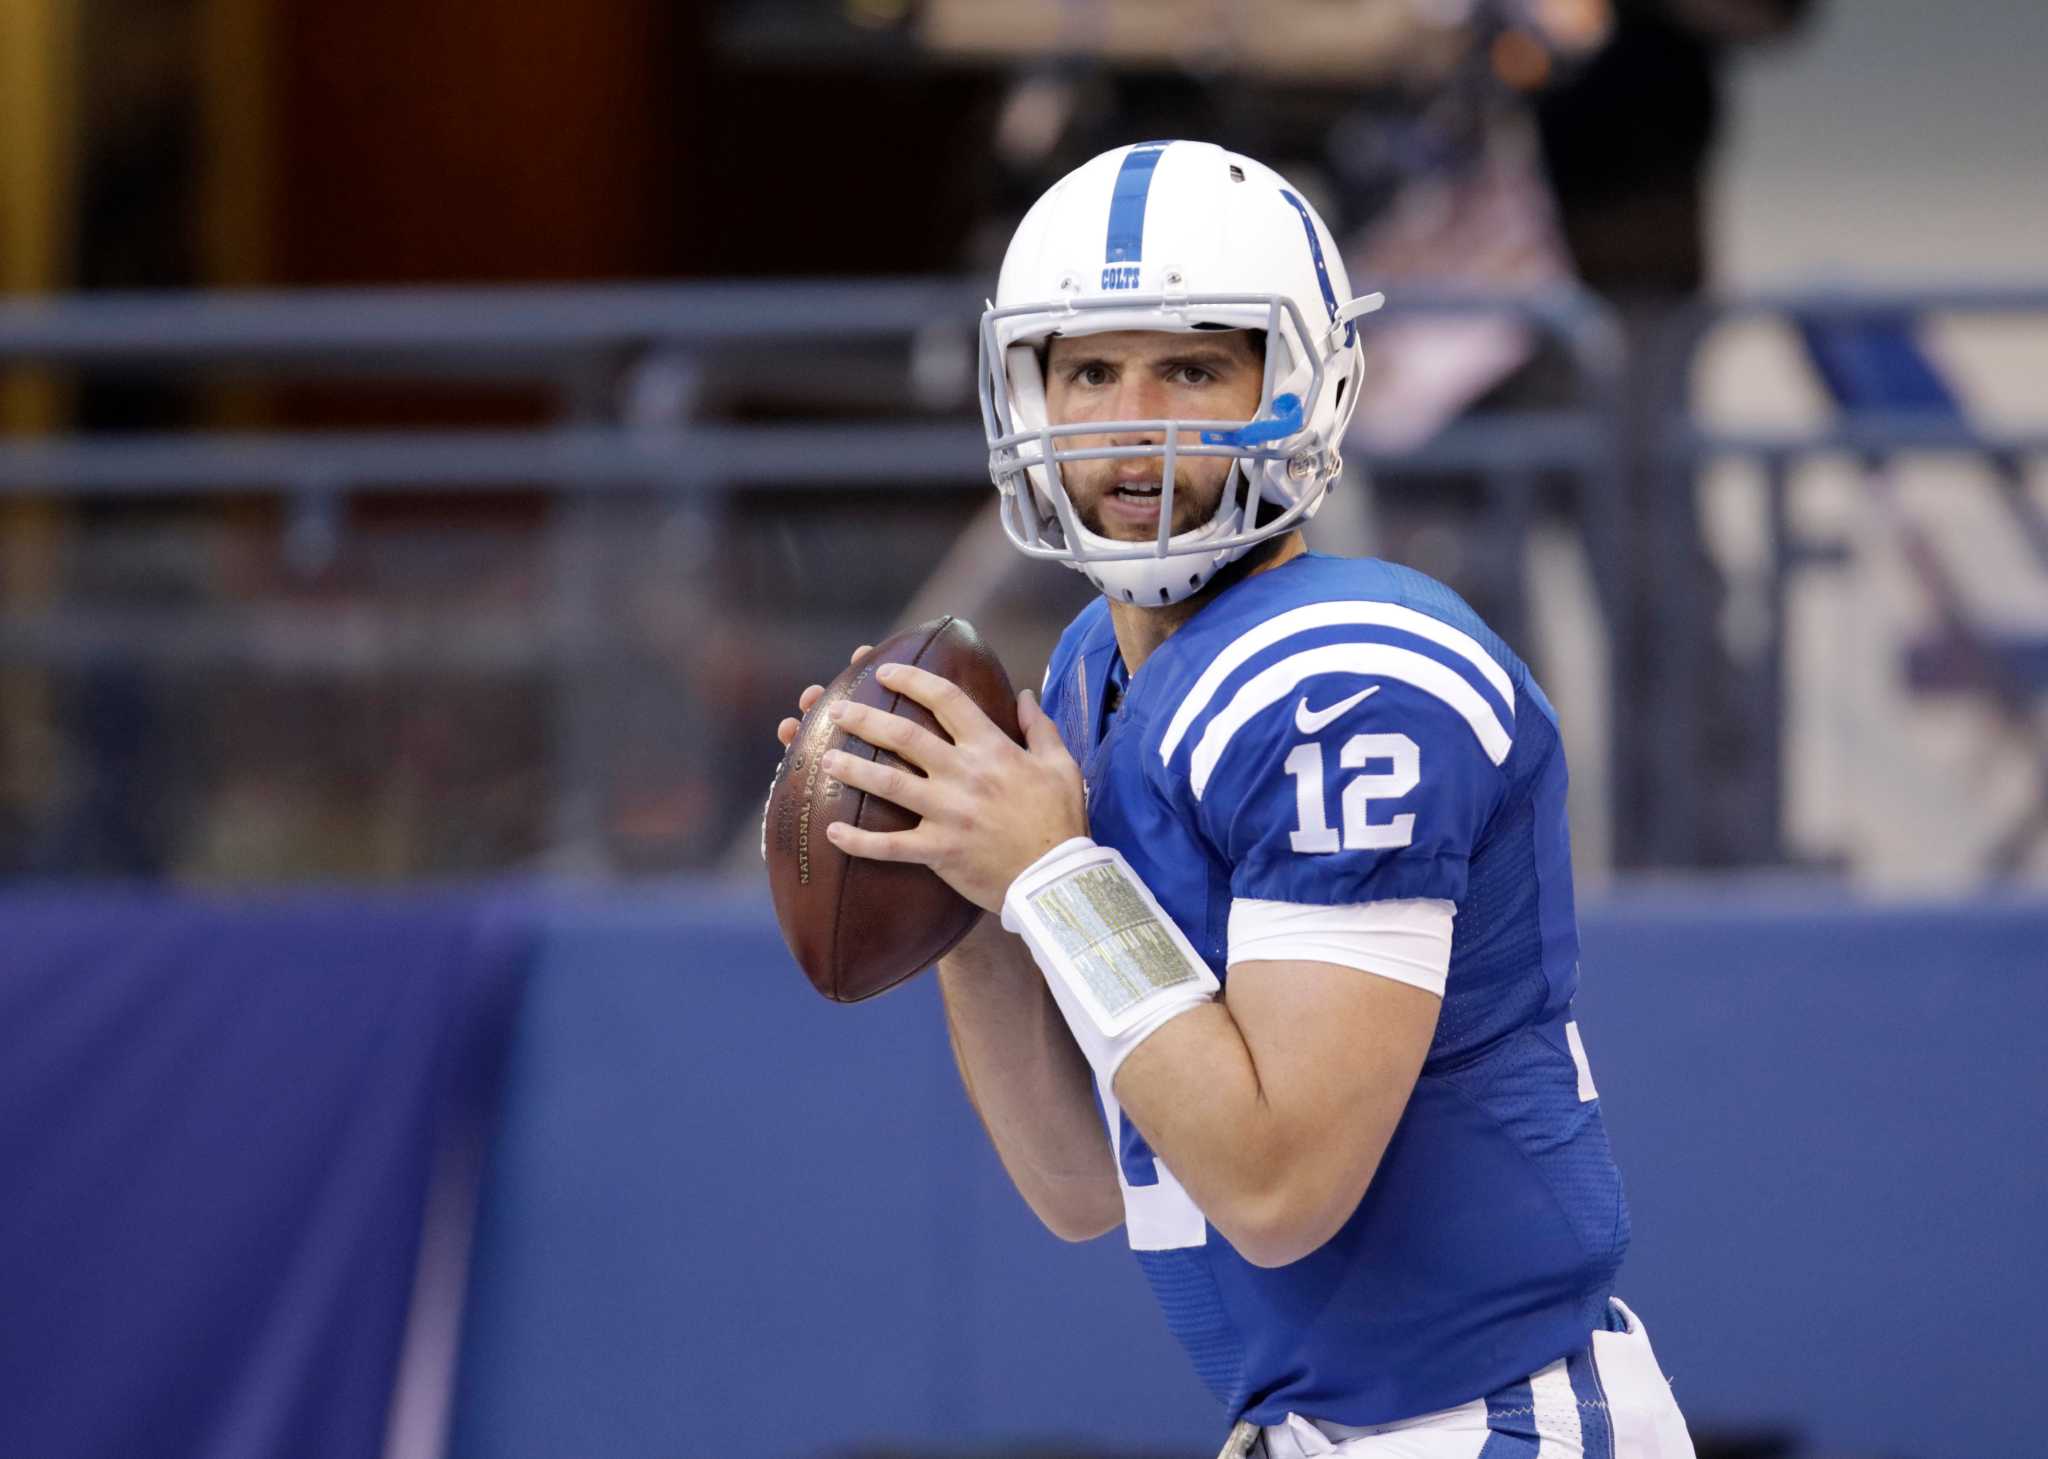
(1609, 1401)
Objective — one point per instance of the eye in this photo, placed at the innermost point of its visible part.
(1194, 374)
(1092, 373)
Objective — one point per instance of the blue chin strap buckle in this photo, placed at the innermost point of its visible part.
(1284, 421)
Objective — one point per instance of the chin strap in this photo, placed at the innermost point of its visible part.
(1357, 309)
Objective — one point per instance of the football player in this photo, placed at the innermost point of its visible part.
(1280, 951)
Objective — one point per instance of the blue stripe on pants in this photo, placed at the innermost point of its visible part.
(1596, 1434)
(1511, 1417)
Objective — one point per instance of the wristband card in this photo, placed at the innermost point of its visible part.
(1114, 942)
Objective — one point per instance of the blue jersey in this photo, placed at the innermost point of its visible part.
(1336, 731)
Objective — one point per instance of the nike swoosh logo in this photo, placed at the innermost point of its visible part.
(1309, 721)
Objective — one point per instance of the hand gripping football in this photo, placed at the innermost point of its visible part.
(859, 927)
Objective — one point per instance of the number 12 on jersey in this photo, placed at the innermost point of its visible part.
(1361, 832)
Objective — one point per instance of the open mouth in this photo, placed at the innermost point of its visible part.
(1131, 510)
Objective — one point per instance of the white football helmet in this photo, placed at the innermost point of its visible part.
(1177, 236)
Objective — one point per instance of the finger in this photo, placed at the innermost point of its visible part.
(959, 715)
(786, 731)
(874, 845)
(810, 696)
(862, 652)
(1041, 735)
(885, 731)
(891, 782)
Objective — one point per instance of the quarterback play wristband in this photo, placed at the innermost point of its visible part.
(1116, 964)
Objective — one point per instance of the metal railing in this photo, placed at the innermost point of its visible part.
(622, 371)
(1876, 434)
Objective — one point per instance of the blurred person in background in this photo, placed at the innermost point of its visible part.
(1571, 144)
(1628, 141)
(1628, 146)
(1581, 153)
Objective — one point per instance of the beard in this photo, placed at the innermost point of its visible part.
(1192, 507)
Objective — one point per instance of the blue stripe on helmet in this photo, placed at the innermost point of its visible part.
(1315, 247)
(1127, 203)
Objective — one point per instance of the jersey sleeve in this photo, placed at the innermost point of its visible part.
(1346, 787)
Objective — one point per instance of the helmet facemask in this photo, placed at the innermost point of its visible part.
(1282, 464)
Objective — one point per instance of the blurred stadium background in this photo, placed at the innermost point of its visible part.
(438, 439)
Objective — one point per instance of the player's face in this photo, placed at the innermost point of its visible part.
(1148, 375)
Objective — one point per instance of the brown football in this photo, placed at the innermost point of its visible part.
(860, 927)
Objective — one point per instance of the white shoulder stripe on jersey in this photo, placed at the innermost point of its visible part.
(1327, 615)
(1380, 660)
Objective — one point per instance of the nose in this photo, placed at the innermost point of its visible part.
(1140, 397)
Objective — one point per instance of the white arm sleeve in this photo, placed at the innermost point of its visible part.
(1408, 940)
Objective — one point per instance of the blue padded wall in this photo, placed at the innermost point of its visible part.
(721, 1206)
(726, 1216)
(1831, 1122)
